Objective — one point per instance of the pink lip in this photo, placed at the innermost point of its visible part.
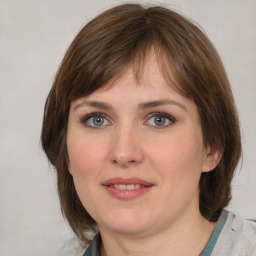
(127, 194)
(126, 181)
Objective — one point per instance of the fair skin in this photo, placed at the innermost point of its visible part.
(136, 154)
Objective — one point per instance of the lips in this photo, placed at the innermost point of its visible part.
(127, 188)
(127, 181)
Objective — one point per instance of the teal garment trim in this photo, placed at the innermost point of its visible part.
(210, 246)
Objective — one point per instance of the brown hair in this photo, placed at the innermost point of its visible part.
(124, 35)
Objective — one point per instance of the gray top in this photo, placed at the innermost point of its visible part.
(237, 238)
(233, 236)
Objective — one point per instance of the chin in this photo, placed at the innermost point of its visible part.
(130, 224)
(129, 229)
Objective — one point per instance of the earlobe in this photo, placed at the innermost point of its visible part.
(213, 157)
(69, 168)
(66, 154)
(70, 171)
(67, 160)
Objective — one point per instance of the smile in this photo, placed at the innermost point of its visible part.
(126, 187)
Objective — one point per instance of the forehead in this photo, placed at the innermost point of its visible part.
(147, 71)
(147, 77)
(150, 90)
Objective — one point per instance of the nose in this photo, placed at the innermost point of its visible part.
(126, 147)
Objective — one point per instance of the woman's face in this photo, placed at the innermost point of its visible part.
(136, 154)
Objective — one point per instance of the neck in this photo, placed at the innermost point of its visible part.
(178, 239)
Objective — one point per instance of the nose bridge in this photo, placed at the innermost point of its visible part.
(126, 148)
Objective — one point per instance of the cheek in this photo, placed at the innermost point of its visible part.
(179, 157)
(86, 164)
(85, 154)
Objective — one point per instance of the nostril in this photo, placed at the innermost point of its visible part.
(123, 162)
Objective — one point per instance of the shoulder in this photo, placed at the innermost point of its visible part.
(242, 228)
(238, 237)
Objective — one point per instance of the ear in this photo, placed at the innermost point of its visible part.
(67, 159)
(212, 158)
(70, 169)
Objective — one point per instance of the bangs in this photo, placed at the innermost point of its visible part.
(103, 55)
(109, 70)
(140, 63)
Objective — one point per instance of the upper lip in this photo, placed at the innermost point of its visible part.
(126, 181)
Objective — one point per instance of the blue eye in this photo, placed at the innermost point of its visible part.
(98, 121)
(160, 120)
(95, 120)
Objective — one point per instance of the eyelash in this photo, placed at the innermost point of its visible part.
(170, 118)
(85, 119)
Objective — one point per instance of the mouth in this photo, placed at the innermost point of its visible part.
(127, 189)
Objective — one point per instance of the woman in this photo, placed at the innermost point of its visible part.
(142, 129)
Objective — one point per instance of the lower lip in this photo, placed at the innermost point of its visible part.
(127, 194)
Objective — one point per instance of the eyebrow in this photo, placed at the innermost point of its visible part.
(96, 104)
(141, 106)
(152, 104)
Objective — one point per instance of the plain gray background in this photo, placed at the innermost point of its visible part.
(33, 38)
